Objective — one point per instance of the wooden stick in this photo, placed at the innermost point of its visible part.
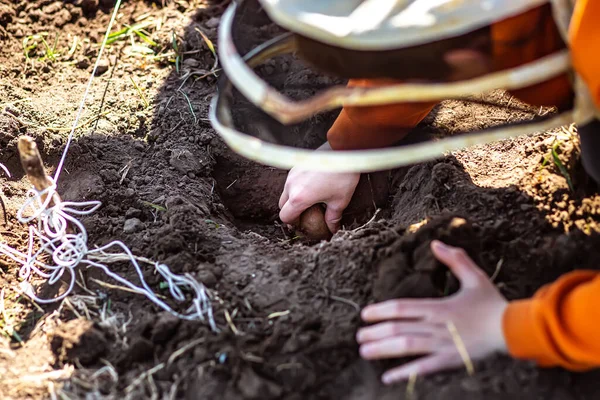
(32, 163)
(34, 168)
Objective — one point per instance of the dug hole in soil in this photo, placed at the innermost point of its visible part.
(288, 310)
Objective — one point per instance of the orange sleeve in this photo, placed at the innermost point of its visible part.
(375, 126)
(560, 325)
(584, 38)
(525, 38)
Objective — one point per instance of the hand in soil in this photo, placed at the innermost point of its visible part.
(413, 327)
(305, 188)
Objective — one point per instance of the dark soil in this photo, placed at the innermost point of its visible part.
(292, 307)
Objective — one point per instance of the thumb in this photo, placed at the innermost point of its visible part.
(333, 217)
(459, 263)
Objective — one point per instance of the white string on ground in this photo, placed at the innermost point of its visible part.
(62, 243)
(87, 91)
(6, 171)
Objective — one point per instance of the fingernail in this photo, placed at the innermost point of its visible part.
(440, 247)
(359, 336)
(391, 378)
(364, 314)
(364, 351)
(387, 379)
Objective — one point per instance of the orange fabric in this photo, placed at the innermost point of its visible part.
(559, 325)
(584, 39)
(527, 37)
(377, 126)
(515, 41)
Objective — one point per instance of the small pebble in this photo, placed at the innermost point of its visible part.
(83, 63)
(132, 225)
(103, 66)
(184, 161)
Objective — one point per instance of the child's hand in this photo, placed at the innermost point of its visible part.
(420, 326)
(305, 188)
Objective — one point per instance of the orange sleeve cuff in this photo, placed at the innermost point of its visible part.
(519, 325)
(559, 326)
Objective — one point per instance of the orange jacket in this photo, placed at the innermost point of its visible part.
(559, 325)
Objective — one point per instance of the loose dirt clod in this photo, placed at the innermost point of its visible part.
(79, 340)
(412, 270)
(132, 225)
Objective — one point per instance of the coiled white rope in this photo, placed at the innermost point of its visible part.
(58, 243)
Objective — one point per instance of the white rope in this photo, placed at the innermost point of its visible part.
(6, 171)
(69, 250)
(58, 243)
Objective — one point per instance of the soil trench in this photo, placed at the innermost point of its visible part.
(172, 191)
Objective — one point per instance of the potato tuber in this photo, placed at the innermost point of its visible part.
(312, 224)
